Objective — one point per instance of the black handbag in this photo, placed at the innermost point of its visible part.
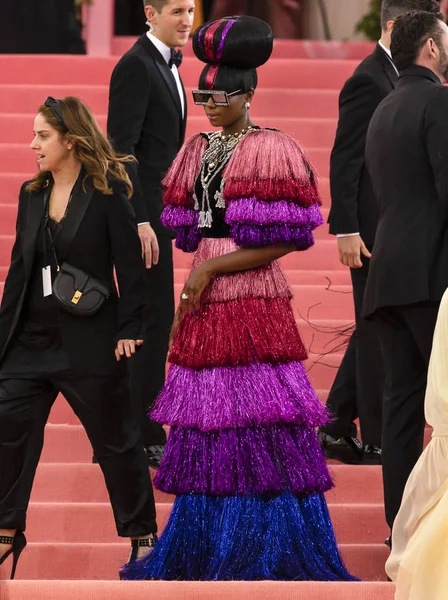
(77, 292)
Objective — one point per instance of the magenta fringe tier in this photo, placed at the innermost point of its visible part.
(265, 282)
(243, 461)
(239, 332)
(257, 395)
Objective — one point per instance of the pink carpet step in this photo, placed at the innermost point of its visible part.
(311, 132)
(14, 156)
(322, 257)
(11, 182)
(83, 482)
(93, 522)
(296, 103)
(279, 73)
(322, 49)
(62, 414)
(177, 590)
(103, 561)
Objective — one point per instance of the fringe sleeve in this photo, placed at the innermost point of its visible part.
(271, 192)
(179, 213)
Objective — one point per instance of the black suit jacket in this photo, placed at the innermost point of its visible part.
(145, 120)
(106, 236)
(407, 158)
(353, 205)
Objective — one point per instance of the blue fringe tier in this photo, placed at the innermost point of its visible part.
(245, 538)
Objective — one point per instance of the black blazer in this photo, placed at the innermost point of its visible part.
(106, 236)
(353, 205)
(407, 158)
(145, 120)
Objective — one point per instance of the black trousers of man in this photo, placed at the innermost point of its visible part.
(103, 407)
(148, 366)
(358, 386)
(405, 335)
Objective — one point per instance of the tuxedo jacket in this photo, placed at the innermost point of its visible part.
(145, 120)
(105, 235)
(407, 158)
(353, 205)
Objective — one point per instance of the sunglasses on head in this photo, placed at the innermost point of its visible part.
(220, 98)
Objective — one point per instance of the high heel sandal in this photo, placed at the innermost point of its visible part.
(18, 543)
(149, 542)
(144, 543)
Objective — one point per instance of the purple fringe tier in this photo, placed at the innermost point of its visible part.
(240, 332)
(250, 211)
(188, 238)
(258, 395)
(179, 216)
(251, 236)
(243, 461)
(265, 282)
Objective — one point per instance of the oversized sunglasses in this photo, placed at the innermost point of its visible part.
(220, 98)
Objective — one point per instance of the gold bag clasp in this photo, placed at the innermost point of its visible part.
(76, 297)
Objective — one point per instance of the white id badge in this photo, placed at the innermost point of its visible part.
(46, 281)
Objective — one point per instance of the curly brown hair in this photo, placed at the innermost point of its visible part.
(91, 147)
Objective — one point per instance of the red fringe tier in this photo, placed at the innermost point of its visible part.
(239, 332)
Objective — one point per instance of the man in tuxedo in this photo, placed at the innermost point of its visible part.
(358, 386)
(147, 118)
(407, 158)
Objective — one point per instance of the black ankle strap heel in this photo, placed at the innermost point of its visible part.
(18, 543)
(145, 543)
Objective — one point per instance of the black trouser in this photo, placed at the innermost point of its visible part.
(103, 407)
(147, 368)
(358, 386)
(405, 334)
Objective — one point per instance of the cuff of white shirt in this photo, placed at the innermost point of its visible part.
(144, 223)
(346, 234)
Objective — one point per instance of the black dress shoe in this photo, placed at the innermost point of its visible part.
(388, 542)
(371, 455)
(348, 450)
(154, 455)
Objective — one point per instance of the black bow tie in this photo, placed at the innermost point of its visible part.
(176, 58)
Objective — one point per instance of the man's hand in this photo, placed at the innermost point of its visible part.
(350, 249)
(150, 245)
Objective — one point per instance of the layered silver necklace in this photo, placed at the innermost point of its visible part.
(214, 159)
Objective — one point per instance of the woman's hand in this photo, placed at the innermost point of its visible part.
(190, 297)
(126, 348)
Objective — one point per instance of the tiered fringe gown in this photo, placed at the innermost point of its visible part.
(243, 458)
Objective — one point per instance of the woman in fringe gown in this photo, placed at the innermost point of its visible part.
(243, 458)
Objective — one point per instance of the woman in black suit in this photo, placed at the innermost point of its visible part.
(75, 211)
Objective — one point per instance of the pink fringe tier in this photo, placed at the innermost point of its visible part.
(265, 282)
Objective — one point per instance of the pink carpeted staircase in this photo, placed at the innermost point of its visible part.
(73, 550)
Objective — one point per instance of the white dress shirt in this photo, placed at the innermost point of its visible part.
(389, 54)
(165, 51)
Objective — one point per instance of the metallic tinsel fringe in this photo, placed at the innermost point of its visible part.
(264, 282)
(245, 538)
(243, 461)
(250, 211)
(188, 238)
(270, 165)
(239, 332)
(231, 397)
(251, 236)
(180, 180)
(179, 216)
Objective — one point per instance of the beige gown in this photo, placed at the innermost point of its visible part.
(419, 559)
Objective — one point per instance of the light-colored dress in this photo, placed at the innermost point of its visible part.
(419, 559)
